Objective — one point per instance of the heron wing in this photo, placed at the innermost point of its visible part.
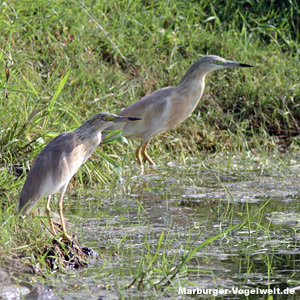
(50, 171)
(150, 109)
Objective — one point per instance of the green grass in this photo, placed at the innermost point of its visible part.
(68, 60)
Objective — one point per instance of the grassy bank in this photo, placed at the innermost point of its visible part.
(62, 62)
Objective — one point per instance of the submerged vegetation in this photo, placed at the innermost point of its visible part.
(62, 62)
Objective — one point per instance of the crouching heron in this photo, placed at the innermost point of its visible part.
(169, 106)
(56, 164)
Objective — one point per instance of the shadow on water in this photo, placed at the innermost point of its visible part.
(124, 222)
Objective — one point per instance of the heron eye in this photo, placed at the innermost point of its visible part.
(108, 118)
(217, 62)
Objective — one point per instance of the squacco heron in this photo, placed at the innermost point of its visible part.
(169, 106)
(56, 164)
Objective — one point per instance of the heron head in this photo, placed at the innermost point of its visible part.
(213, 62)
(104, 120)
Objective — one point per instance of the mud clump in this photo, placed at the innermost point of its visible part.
(68, 254)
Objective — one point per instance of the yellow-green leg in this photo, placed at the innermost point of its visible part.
(138, 155)
(145, 154)
(48, 212)
(60, 207)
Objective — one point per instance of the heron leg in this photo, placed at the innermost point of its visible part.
(145, 154)
(60, 207)
(48, 212)
(138, 155)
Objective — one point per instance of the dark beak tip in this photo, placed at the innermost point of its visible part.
(125, 119)
(246, 66)
(134, 119)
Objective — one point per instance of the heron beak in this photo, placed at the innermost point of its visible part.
(124, 119)
(234, 64)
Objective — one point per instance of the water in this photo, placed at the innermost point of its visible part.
(124, 221)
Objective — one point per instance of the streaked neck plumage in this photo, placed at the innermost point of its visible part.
(192, 84)
(90, 129)
(87, 131)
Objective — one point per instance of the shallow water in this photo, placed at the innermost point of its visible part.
(190, 205)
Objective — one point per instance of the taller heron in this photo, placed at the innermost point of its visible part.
(56, 164)
(169, 106)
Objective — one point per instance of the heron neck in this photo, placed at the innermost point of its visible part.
(191, 89)
(87, 131)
